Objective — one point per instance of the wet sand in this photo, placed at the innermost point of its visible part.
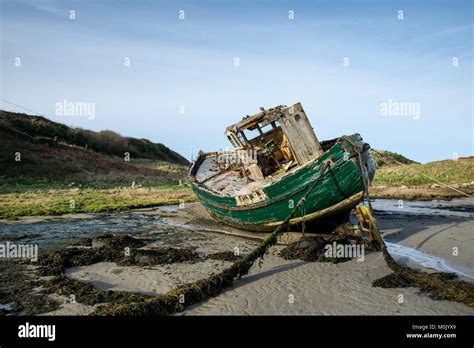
(278, 286)
(295, 287)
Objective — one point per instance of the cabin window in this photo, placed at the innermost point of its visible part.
(251, 134)
(267, 128)
(232, 141)
(235, 140)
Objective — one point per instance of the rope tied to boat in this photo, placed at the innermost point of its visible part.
(372, 224)
(195, 292)
(261, 250)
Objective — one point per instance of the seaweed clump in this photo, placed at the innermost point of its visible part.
(163, 255)
(19, 290)
(177, 299)
(393, 280)
(87, 293)
(438, 286)
(122, 250)
(314, 249)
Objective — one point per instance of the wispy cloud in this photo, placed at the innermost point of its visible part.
(51, 7)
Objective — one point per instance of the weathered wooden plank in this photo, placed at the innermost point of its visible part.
(300, 134)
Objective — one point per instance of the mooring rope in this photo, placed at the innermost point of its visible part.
(198, 291)
(21, 107)
(272, 238)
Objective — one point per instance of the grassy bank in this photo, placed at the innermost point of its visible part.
(94, 185)
(93, 193)
(449, 172)
(410, 182)
(145, 173)
(55, 201)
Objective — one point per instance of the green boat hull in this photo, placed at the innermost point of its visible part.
(340, 190)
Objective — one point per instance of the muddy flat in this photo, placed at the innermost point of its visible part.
(433, 237)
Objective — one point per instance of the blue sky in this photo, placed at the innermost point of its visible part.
(190, 62)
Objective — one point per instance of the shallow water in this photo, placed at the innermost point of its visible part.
(459, 207)
(59, 232)
(407, 255)
(446, 212)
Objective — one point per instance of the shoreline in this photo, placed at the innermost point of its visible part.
(318, 287)
(53, 202)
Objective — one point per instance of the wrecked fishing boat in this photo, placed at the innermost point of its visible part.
(275, 157)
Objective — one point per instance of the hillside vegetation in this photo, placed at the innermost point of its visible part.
(398, 177)
(385, 158)
(50, 168)
(105, 142)
(447, 171)
(37, 149)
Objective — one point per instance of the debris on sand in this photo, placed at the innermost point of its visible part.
(124, 250)
(111, 248)
(393, 280)
(54, 263)
(86, 242)
(83, 293)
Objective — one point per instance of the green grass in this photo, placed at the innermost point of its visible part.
(449, 172)
(61, 164)
(166, 175)
(157, 185)
(55, 201)
(30, 185)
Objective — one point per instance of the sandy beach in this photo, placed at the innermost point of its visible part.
(275, 286)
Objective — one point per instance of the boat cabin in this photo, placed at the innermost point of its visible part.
(267, 146)
(280, 137)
